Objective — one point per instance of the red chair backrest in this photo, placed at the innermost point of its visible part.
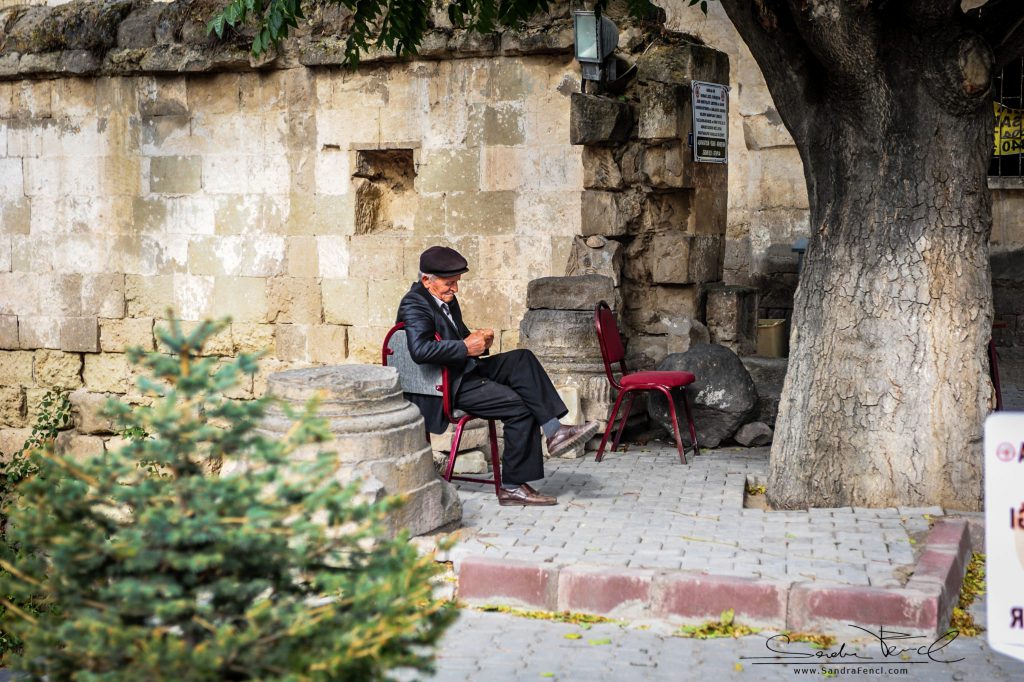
(386, 351)
(609, 340)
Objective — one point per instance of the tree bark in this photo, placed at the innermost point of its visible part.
(887, 385)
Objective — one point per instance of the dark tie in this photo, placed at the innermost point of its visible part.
(448, 314)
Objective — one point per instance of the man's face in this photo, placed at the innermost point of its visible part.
(443, 288)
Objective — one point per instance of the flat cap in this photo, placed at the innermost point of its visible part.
(443, 262)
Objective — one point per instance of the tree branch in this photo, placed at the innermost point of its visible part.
(1001, 23)
(779, 49)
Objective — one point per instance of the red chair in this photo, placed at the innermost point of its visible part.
(631, 383)
(433, 380)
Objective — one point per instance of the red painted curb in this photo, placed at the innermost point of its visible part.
(595, 589)
(923, 606)
(513, 582)
(702, 596)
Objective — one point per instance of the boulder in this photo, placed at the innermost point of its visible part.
(581, 292)
(722, 398)
(754, 434)
(768, 375)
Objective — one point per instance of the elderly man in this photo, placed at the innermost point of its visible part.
(511, 386)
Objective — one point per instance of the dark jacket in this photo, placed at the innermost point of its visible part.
(423, 318)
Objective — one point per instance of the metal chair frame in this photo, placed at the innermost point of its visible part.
(455, 416)
(666, 390)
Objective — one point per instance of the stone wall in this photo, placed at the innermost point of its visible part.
(294, 197)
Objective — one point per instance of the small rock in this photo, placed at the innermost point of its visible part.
(471, 462)
(596, 241)
(754, 434)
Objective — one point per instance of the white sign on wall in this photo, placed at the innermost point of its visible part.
(1004, 531)
(710, 122)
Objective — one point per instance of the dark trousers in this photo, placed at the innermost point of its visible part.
(514, 388)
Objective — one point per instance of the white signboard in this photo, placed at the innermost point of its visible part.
(1004, 531)
(710, 122)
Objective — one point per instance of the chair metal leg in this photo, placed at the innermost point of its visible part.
(993, 371)
(495, 455)
(689, 419)
(611, 425)
(622, 424)
(454, 452)
(675, 424)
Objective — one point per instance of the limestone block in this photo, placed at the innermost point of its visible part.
(87, 409)
(509, 339)
(332, 256)
(250, 337)
(449, 170)
(595, 120)
(16, 368)
(301, 256)
(595, 255)
(12, 180)
(661, 111)
(501, 168)
(667, 166)
(148, 296)
(78, 447)
(12, 407)
(675, 66)
(484, 305)
(653, 310)
(328, 343)
(469, 462)
(480, 213)
(80, 334)
(38, 332)
(103, 295)
(685, 259)
(610, 213)
(345, 301)
(377, 437)
(291, 342)
(117, 335)
(15, 216)
(106, 372)
(559, 333)
(215, 94)
(244, 299)
(193, 296)
(600, 170)
(175, 174)
(581, 292)
(220, 343)
(732, 317)
(9, 332)
(766, 130)
(667, 211)
(364, 343)
(55, 369)
(293, 299)
(382, 301)
(502, 124)
(373, 257)
(12, 440)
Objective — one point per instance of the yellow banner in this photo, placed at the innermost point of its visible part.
(1009, 126)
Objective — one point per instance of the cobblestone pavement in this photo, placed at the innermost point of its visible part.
(498, 647)
(642, 509)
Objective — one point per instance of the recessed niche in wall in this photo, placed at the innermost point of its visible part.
(385, 197)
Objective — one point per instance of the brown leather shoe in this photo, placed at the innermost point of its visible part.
(524, 496)
(567, 436)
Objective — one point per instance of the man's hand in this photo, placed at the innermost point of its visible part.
(488, 336)
(477, 343)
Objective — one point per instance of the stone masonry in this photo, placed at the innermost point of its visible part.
(159, 171)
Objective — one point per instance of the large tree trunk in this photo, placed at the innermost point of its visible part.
(888, 385)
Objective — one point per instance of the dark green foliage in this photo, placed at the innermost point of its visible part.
(273, 570)
(396, 25)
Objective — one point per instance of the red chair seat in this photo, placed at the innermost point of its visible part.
(667, 379)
